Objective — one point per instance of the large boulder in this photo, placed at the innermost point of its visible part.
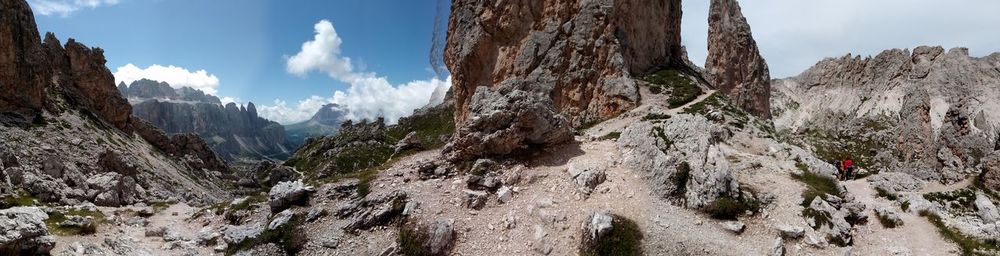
(285, 194)
(682, 157)
(372, 211)
(987, 210)
(895, 182)
(502, 122)
(990, 167)
(23, 232)
(581, 55)
(830, 222)
(734, 63)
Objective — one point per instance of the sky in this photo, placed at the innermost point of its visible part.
(292, 57)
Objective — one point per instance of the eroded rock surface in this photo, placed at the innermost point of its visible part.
(734, 63)
(581, 54)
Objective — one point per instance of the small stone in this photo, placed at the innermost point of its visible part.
(475, 199)
(778, 247)
(734, 226)
(790, 232)
(504, 195)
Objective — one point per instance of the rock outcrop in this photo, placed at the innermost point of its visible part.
(681, 158)
(734, 63)
(579, 54)
(931, 108)
(501, 123)
(231, 131)
(23, 232)
(24, 73)
(81, 144)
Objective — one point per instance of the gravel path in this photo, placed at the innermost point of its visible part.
(917, 236)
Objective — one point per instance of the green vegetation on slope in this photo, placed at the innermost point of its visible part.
(816, 185)
(681, 89)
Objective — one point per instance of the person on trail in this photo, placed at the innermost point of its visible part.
(848, 169)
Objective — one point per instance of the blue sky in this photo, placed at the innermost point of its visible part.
(245, 43)
(373, 54)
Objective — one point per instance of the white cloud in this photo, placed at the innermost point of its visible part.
(282, 113)
(66, 7)
(322, 54)
(369, 96)
(227, 100)
(793, 34)
(177, 77)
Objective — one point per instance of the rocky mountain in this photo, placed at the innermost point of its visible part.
(145, 89)
(68, 136)
(325, 122)
(234, 132)
(927, 112)
(734, 64)
(524, 75)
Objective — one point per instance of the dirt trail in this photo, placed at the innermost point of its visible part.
(917, 236)
(652, 103)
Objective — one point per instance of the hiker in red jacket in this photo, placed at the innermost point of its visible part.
(848, 169)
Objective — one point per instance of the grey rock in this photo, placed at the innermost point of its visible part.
(410, 208)
(441, 236)
(685, 162)
(505, 194)
(734, 226)
(372, 211)
(587, 176)
(286, 194)
(501, 123)
(895, 182)
(23, 231)
(599, 225)
(815, 240)
(987, 210)
(476, 199)
(268, 249)
(834, 225)
(410, 141)
(280, 220)
(315, 213)
(156, 232)
(790, 232)
(74, 221)
(777, 248)
(888, 216)
(236, 234)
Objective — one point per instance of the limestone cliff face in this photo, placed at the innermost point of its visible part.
(68, 136)
(939, 105)
(24, 74)
(581, 54)
(734, 64)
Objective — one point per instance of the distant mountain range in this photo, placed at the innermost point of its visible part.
(325, 122)
(234, 132)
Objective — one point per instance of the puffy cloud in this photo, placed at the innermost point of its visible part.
(177, 77)
(322, 54)
(793, 34)
(369, 96)
(373, 97)
(282, 113)
(66, 7)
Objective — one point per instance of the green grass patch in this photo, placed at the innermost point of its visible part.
(886, 194)
(816, 186)
(819, 218)
(655, 117)
(682, 89)
(21, 198)
(886, 222)
(59, 216)
(970, 246)
(960, 201)
(905, 206)
(612, 136)
(728, 208)
(625, 239)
